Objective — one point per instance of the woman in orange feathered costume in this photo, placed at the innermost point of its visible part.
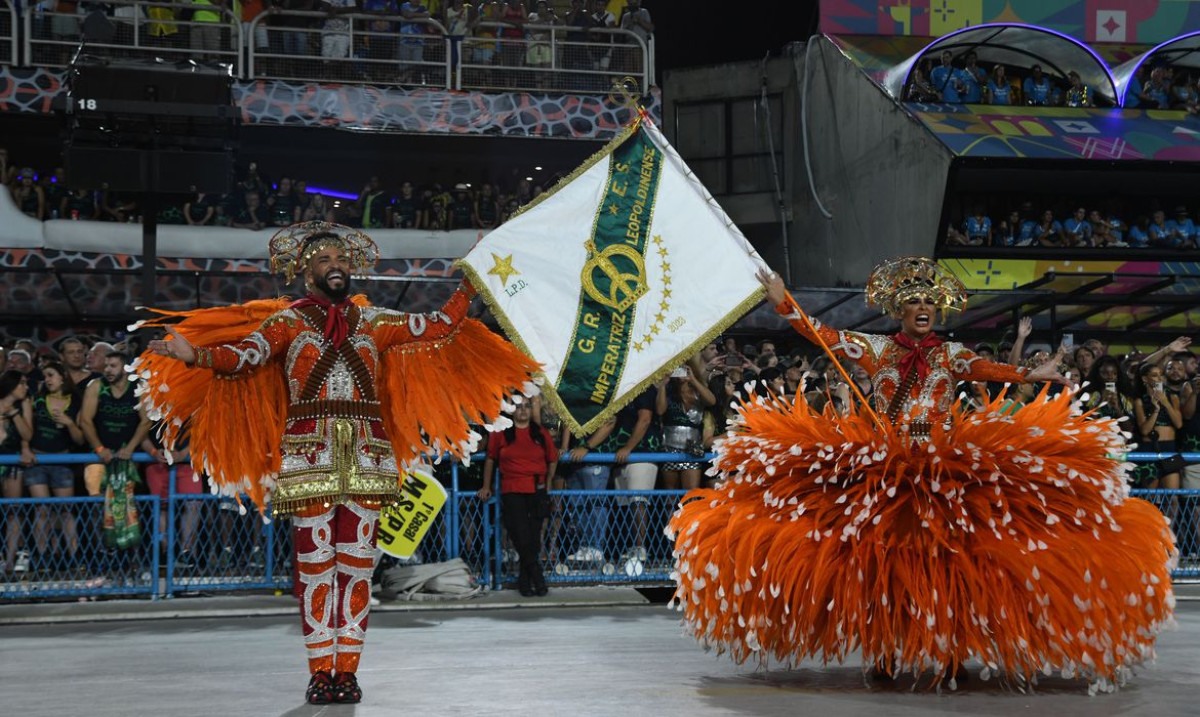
(921, 533)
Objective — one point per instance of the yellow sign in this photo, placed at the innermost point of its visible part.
(624, 287)
(403, 525)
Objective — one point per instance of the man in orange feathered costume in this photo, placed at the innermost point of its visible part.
(919, 532)
(357, 394)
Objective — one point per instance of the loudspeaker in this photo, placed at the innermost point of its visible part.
(149, 126)
(151, 88)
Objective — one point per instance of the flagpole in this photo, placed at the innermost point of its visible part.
(836, 361)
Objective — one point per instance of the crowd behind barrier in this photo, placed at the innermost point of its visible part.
(260, 202)
(1162, 224)
(488, 45)
(236, 550)
(960, 79)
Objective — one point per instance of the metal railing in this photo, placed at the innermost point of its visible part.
(307, 46)
(195, 542)
(8, 32)
(133, 29)
(347, 48)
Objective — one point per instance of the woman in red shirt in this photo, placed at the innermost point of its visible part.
(527, 457)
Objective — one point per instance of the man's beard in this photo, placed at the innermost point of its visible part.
(335, 295)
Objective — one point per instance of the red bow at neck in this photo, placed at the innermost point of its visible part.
(915, 359)
(337, 328)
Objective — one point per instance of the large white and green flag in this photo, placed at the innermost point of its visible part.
(621, 272)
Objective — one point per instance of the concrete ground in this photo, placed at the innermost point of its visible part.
(579, 651)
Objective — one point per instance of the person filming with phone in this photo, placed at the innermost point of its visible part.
(681, 402)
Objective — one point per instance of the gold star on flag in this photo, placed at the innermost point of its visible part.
(502, 268)
(612, 209)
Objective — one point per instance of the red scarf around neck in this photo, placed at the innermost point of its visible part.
(337, 328)
(915, 358)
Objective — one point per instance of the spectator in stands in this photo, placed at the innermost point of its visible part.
(1188, 441)
(722, 412)
(282, 207)
(1077, 231)
(635, 19)
(373, 205)
(412, 47)
(1049, 232)
(253, 215)
(1078, 94)
(508, 207)
(1009, 231)
(207, 28)
(947, 80)
(636, 431)
(1108, 391)
(187, 483)
(295, 28)
(80, 205)
(117, 207)
(974, 79)
(56, 193)
(539, 53)
(998, 90)
(52, 415)
(162, 30)
(318, 209)
(1102, 234)
(1183, 92)
(592, 516)
(1160, 233)
(114, 426)
(335, 35)
(680, 402)
(1158, 417)
(1138, 235)
(1133, 93)
(1155, 94)
(406, 208)
(486, 214)
(28, 196)
(1037, 88)
(1183, 229)
(14, 429)
(578, 21)
(920, 88)
(457, 19)
(74, 359)
(96, 355)
(199, 210)
(1084, 360)
(977, 228)
(601, 50)
(514, 16)
(527, 457)
(462, 208)
(380, 39)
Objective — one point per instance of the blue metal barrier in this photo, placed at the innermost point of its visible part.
(199, 542)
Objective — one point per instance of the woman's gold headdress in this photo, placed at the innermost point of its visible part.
(895, 281)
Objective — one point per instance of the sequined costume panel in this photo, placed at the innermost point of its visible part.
(335, 447)
(929, 400)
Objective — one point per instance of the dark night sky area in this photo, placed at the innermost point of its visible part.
(709, 33)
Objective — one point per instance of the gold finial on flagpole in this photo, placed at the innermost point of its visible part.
(625, 92)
